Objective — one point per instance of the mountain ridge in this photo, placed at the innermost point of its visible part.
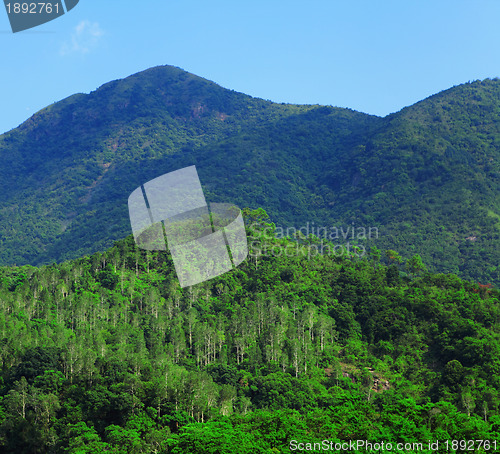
(428, 175)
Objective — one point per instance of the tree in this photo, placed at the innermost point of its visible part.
(375, 255)
(468, 402)
(415, 265)
(84, 440)
(18, 398)
(394, 257)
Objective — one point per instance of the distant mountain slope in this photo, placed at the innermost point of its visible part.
(426, 177)
(431, 177)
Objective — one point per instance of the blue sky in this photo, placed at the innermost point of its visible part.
(371, 56)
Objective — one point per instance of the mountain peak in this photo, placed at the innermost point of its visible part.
(66, 173)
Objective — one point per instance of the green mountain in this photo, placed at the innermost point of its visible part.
(108, 354)
(425, 179)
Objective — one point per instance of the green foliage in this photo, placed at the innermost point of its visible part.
(426, 177)
(285, 347)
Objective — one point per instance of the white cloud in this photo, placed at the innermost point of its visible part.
(85, 37)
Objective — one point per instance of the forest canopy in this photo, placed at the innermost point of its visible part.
(107, 353)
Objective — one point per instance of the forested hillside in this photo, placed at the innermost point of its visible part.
(107, 353)
(426, 177)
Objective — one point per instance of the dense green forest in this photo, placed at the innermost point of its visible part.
(426, 177)
(106, 353)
